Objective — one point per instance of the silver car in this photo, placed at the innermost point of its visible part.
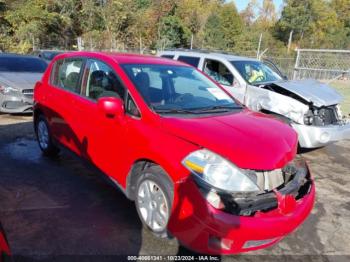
(310, 107)
(18, 75)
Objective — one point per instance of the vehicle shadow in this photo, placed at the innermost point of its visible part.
(306, 150)
(61, 208)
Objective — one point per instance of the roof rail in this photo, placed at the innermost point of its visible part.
(200, 51)
(188, 50)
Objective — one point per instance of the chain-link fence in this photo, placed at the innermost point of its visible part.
(284, 64)
(322, 64)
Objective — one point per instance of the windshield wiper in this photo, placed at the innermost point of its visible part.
(215, 109)
(221, 108)
(174, 111)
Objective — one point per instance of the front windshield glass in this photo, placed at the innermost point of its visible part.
(256, 72)
(178, 89)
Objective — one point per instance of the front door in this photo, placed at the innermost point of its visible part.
(222, 75)
(104, 140)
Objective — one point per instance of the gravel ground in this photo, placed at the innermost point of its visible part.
(63, 208)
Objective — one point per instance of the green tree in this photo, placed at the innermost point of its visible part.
(314, 23)
(33, 22)
(342, 9)
(5, 28)
(173, 32)
(222, 27)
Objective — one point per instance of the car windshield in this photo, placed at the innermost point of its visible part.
(22, 64)
(256, 72)
(178, 89)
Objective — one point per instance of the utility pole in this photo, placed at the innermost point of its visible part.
(33, 39)
(290, 41)
(191, 41)
(141, 45)
(79, 43)
(258, 52)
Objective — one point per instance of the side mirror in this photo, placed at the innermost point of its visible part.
(110, 106)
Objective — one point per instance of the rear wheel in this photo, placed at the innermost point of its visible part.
(44, 137)
(154, 194)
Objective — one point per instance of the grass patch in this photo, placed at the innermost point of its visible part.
(343, 87)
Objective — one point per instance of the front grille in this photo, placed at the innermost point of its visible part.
(28, 91)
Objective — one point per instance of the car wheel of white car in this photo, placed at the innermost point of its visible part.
(44, 138)
(153, 200)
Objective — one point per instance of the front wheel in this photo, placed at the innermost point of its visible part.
(44, 137)
(154, 200)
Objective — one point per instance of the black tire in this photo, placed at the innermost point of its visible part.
(50, 149)
(158, 176)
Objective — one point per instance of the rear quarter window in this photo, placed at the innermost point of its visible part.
(66, 74)
(193, 61)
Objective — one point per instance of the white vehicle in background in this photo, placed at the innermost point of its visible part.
(310, 107)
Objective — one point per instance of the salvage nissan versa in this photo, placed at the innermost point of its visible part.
(198, 165)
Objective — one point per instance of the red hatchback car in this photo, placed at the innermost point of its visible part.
(198, 165)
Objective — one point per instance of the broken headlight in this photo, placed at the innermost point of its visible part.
(218, 172)
(309, 118)
(7, 89)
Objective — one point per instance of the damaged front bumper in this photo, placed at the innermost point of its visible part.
(246, 221)
(19, 102)
(318, 136)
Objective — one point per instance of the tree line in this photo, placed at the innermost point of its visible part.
(160, 24)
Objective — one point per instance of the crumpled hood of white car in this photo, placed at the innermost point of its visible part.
(318, 93)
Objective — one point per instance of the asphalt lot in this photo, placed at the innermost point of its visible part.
(63, 206)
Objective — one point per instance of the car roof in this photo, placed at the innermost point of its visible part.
(126, 58)
(52, 50)
(229, 57)
(18, 55)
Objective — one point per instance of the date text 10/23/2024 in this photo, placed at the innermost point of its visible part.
(173, 258)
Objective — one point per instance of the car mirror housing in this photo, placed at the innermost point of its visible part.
(110, 106)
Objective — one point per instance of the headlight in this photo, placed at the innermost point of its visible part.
(7, 89)
(218, 172)
(309, 118)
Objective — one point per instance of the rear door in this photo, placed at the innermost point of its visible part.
(64, 89)
(190, 60)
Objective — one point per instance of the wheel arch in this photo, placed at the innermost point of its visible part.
(37, 112)
(135, 171)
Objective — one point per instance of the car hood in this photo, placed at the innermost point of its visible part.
(20, 80)
(249, 140)
(318, 93)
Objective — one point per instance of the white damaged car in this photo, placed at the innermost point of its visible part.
(310, 107)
